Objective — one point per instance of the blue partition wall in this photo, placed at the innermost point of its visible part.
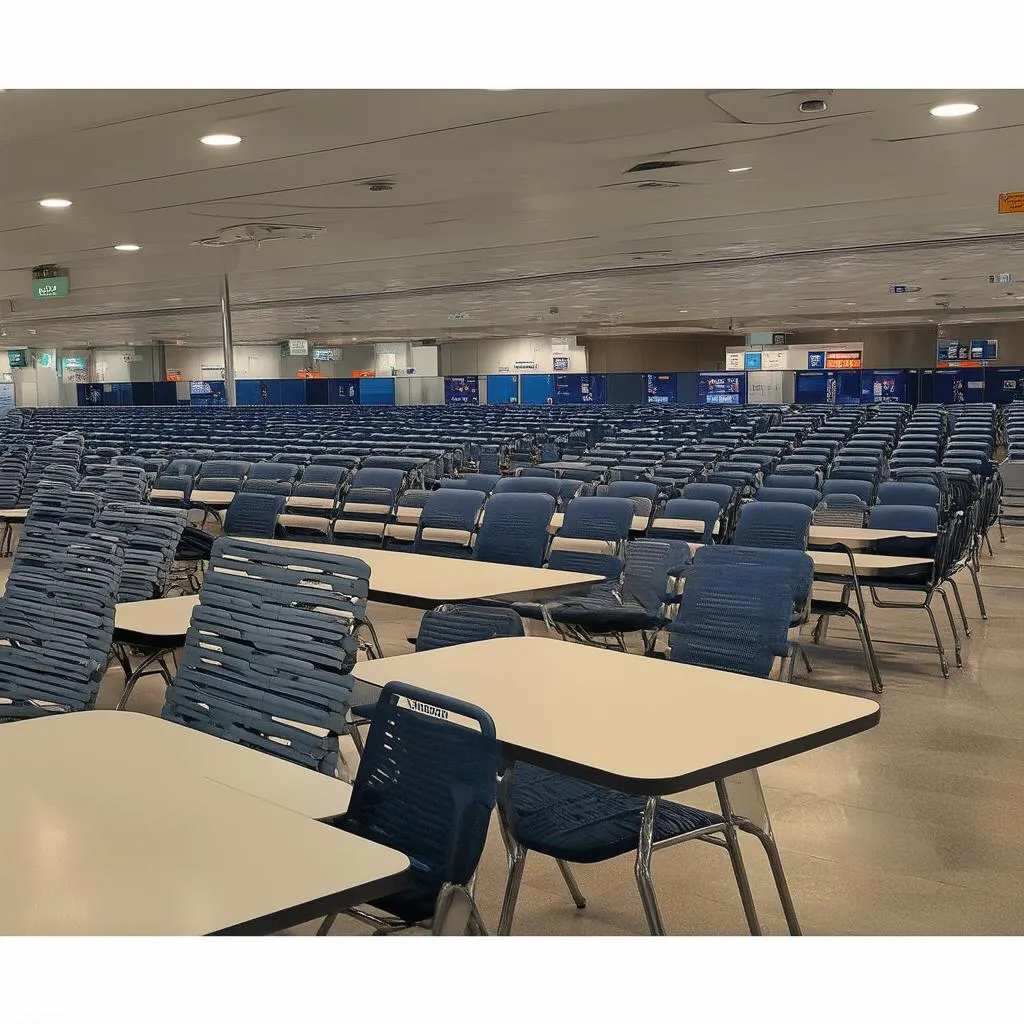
(579, 388)
(536, 389)
(725, 388)
(502, 388)
(625, 389)
(462, 390)
(377, 391)
(1004, 384)
(343, 391)
(953, 387)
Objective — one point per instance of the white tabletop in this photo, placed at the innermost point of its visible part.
(561, 705)
(122, 741)
(13, 515)
(162, 618)
(426, 581)
(219, 499)
(90, 851)
(861, 537)
(837, 563)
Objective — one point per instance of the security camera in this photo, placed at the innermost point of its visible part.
(813, 107)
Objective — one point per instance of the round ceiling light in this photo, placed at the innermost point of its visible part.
(127, 247)
(220, 139)
(55, 204)
(954, 109)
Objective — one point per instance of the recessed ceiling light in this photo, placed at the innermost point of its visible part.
(738, 170)
(127, 247)
(953, 109)
(55, 204)
(219, 139)
(684, 311)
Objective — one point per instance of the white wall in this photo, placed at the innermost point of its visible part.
(483, 357)
(769, 387)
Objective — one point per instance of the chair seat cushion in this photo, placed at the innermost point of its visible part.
(584, 823)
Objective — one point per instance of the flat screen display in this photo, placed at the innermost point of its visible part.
(884, 386)
(810, 387)
(579, 388)
(16, 357)
(462, 390)
(722, 388)
(662, 389)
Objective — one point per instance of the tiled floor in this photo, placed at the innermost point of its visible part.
(916, 827)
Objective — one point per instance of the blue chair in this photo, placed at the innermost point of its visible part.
(808, 483)
(799, 496)
(276, 471)
(864, 490)
(270, 649)
(474, 481)
(536, 471)
(678, 511)
(448, 522)
(451, 624)
(426, 786)
(174, 491)
(603, 520)
(515, 529)
(253, 515)
(773, 524)
(722, 494)
(926, 580)
(578, 822)
(901, 493)
(528, 485)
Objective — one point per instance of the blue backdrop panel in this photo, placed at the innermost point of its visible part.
(207, 392)
(462, 390)
(142, 392)
(658, 388)
(626, 389)
(536, 388)
(119, 394)
(317, 391)
(1003, 384)
(884, 386)
(687, 387)
(343, 391)
(952, 387)
(165, 392)
(502, 388)
(293, 392)
(377, 391)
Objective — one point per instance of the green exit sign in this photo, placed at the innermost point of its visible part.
(51, 287)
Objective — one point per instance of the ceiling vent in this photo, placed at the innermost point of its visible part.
(256, 234)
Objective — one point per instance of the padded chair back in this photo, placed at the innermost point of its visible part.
(862, 489)
(792, 480)
(475, 482)
(277, 471)
(799, 496)
(528, 485)
(733, 618)
(515, 529)
(899, 493)
(253, 515)
(426, 786)
(721, 494)
(913, 518)
(452, 624)
(607, 519)
(672, 523)
(448, 521)
(773, 524)
(270, 648)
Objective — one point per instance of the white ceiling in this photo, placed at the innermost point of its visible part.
(505, 204)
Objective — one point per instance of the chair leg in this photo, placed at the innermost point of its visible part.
(977, 591)
(732, 843)
(570, 880)
(938, 639)
(960, 607)
(952, 626)
(357, 739)
(455, 912)
(516, 856)
(642, 869)
(771, 849)
(803, 658)
(327, 924)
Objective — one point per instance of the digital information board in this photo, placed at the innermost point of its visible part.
(462, 390)
(662, 389)
(722, 388)
(579, 388)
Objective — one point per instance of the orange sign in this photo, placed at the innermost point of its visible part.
(306, 374)
(363, 373)
(842, 360)
(174, 376)
(960, 363)
(1011, 202)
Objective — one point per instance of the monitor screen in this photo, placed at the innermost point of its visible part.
(579, 388)
(323, 355)
(199, 387)
(16, 357)
(810, 387)
(462, 390)
(885, 386)
(661, 388)
(722, 388)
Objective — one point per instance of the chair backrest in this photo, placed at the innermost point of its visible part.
(650, 562)
(269, 652)
(332, 476)
(253, 515)
(773, 524)
(451, 624)
(798, 495)
(722, 494)
(678, 511)
(536, 471)
(448, 521)
(149, 537)
(515, 529)
(277, 471)
(380, 477)
(223, 469)
(899, 493)
(863, 489)
(913, 518)
(426, 786)
(792, 480)
(798, 564)
(528, 485)
(606, 519)
(841, 510)
(732, 617)
(632, 489)
(475, 482)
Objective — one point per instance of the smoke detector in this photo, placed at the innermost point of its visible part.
(256, 234)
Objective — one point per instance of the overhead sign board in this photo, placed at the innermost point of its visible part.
(298, 347)
(751, 360)
(51, 287)
(1011, 202)
(904, 289)
(1000, 278)
(816, 360)
(323, 355)
(773, 360)
(75, 363)
(734, 360)
(842, 360)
